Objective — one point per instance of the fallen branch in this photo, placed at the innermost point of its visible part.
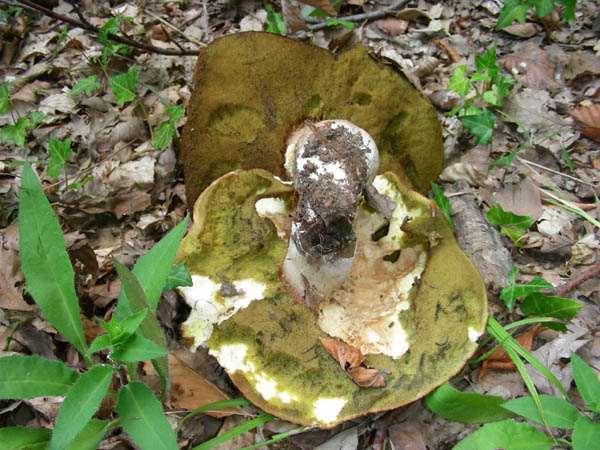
(377, 14)
(93, 29)
(572, 284)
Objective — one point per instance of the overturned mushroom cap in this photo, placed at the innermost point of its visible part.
(252, 90)
(412, 302)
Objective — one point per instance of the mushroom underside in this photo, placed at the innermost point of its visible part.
(420, 332)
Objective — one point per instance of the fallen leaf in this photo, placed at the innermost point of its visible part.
(130, 203)
(531, 68)
(500, 359)
(292, 17)
(589, 117)
(525, 30)
(392, 26)
(11, 291)
(581, 63)
(346, 440)
(323, 5)
(522, 198)
(352, 362)
(408, 435)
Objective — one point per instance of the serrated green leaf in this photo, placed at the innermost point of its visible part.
(503, 84)
(90, 436)
(112, 27)
(508, 435)
(45, 262)
(4, 95)
(163, 134)
(492, 96)
(16, 132)
(143, 419)
(80, 404)
(86, 85)
(23, 438)
(511, 293)
(137, 348)
(481, 125)
(586, 434)
(123, 86)
(59, 154)
(464, 407)
(459, 82)
(537, 304)
(175, 113)
(275, 22)
(478, 76)
(33, 376)
(487, 62)
(587, 382)
(558, 412)
(179, 276)
(512, 10)
(497, 216)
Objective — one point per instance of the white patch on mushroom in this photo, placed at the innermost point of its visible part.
(210, 307)
(233, 357)
(267, 387)
(474, 334)
(326, 410)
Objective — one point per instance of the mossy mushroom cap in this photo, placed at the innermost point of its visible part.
(269, 344)
(252, 89)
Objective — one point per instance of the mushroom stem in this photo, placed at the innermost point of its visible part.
(332, 164)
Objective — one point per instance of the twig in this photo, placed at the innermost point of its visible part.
(173, 27)
(377, 14)
(93, 29)
(539, 166)
(572, 284)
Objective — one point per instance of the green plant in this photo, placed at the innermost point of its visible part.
(500, 431)
(517, 10)
(485, 90)
(510, 224)
(442, 201)
(274, 21)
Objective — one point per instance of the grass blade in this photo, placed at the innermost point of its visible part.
(45, 262)
(214, 406)
(234, 432)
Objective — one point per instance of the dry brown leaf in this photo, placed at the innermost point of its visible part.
(392, 26)
(11, 296)
(589, 116)
(130, 203)
(581, 63)
(408, 435)
(292, 17)
(531, 68)
(500, 359)
(524, 30)
(352, 362)
(323, 5)
(522, 198)
(452, 54)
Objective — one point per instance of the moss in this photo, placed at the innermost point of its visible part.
(252, 89)
(282, 336)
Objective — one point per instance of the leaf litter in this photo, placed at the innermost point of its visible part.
(135, 194)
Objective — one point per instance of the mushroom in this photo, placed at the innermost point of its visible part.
(339, 292)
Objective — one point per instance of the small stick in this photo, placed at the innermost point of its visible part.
(377, 14)
(567, 287)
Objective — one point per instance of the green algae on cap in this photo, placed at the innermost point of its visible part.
(269, 344)
(252, 89)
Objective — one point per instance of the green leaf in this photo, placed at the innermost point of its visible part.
(33, 376)
(45, 262)
(537, 304)
(22, 438)
(567, 158)
(90, 436)
(442, 201)
(492, 96)
(504, 160)
(152, 270)
(111, 26)
(234, 432)
(143, 419)
(100, 343)
(513, 235)
(86, 85)
(508, 435)
(503, 85)
(459, 82)
(487, 62)
(481, 125)
(137, 348)
(59, 154)
(179, 276)
(497, 216)
(543, 7)
(511, 293)
(569, 11)
(80, 404)
(163, 134)
(81, 183)
(4, 95)
(464, 407)
(35, 117)
(175, 114)
(16, 132)
(587, 382)
(131, 324)
(275, 22)
(512, 10)
(123, 85)
(558, 412)
(586, 434)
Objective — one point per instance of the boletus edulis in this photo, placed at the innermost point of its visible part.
(325, 290)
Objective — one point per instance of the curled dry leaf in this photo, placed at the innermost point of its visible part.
(531, 68)
(323, 5)
(589, 117)
(352, 362)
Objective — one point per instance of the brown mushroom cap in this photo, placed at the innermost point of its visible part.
(283, 368)
(252, 89)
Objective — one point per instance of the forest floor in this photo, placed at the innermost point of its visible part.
(117, 196)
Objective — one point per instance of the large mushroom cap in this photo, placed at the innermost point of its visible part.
(251, 90)
(425, 301)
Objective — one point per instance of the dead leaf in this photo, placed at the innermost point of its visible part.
(292, 17)
(522, 198)
(581, 63)
(408, 435)
(192, 390)
(589, 116)
(392, 26)
(500, 359)
(525, 30)
(323, 5)
(243, 440)
(531, 68)
(11, 277)
(130, 203)
(346, 440)
(452, 54)
(352, 362)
